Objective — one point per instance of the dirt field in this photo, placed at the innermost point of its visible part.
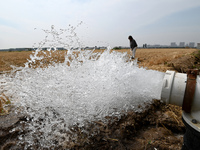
(158, 127)
(156, 59)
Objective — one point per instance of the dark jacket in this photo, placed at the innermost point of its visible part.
(133, 44)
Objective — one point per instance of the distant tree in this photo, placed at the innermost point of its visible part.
(117, 48)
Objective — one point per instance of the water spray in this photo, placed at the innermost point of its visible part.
(83, 88)
(184, 90)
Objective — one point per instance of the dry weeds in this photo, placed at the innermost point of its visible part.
(158, 59)
(4, 100)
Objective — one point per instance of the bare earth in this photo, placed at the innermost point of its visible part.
(158, 127)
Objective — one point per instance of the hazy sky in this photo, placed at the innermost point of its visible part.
(105, 22)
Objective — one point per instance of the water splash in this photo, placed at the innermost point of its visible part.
(83, 88)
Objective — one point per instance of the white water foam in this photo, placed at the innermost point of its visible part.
(88, 89)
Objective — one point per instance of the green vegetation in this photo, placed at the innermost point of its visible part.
(117, 48)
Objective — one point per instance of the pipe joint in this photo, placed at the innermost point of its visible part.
(184, 90)
(190, 90)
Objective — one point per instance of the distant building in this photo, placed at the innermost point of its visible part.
(191, 44)
(182, 44)
(198, 45)
(173, 44)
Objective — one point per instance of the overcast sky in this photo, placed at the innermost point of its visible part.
(105, 22)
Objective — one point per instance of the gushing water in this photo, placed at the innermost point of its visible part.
(81, 89)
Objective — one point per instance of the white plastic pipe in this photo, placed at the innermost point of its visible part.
(173, 91)
(173, 88)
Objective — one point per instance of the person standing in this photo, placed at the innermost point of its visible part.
(133, 46)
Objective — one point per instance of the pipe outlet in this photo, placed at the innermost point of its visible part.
(183, 90)
(173, 88)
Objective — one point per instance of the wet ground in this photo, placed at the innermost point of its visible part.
(156, 127)
(159, 126)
